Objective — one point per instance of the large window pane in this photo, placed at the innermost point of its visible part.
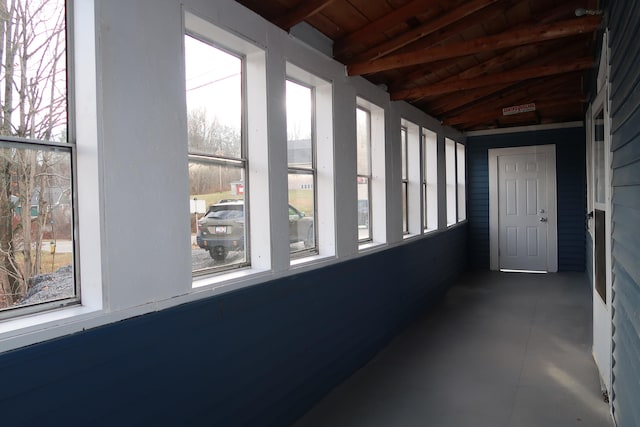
(364, 213)
(405, 180)
(299, 124)
(363, 147)
(301, 211)
(36, 194)
(450, 168)
(36, 226)
(217, 160)
(461, 179)
(33, 86)
(430, 179)
(302, 178)
(363, 139)
(214, 99)
(217, 215)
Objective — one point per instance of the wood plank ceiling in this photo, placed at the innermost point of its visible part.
(462, 62)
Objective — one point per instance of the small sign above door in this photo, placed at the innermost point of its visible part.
(517, 109)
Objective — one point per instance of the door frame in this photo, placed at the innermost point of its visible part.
(552, 202)
(602, 310)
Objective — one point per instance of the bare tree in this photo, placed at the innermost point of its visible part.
(207, 135)
(32, 107)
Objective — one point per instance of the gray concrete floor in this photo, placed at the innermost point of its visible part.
(501, 349)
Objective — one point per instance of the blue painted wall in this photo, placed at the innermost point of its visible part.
(260, 356)
(571, 182)
(624, 22)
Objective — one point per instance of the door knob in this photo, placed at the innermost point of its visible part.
(543, 219)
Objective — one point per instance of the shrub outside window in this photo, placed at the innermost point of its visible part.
(217, 157)
(37, 247)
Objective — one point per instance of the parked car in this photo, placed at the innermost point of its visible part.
(221, 229)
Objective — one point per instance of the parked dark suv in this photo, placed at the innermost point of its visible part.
(222, 228)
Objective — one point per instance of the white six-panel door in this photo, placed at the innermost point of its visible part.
(522, 208)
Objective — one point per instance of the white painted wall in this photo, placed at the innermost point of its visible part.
(132, 160)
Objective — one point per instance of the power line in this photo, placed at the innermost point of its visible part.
(214, 81)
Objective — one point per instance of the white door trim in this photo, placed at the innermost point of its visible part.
(602, 310)
(552, 230)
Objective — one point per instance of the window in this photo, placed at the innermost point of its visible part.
(430, 180)
(302, 168)
(405, 181)
(217, 157)
(456, 181)
(36, 156)
(461, 178)
(410, 178)
(363, 140)
(371, 174)
(450, 167)
(599, 158)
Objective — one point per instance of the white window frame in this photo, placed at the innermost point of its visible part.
(429, 157)
(461, 180)
(451, 182)
(377, 203)
(310, 171)
(69, 147)
(455, 169)
(83, 118)
(322, 131)
(404, 144)
(256, 143)
(239, 162)
(367, 177)
(413, 179)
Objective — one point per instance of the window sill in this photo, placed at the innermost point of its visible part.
(455, 224)
(310, 260)
(29, 329)
(369, 246)
(409, 236)
(230, 280)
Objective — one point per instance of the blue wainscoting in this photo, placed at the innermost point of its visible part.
(260, 356)
(571, 185)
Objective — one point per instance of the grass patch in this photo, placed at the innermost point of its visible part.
(49, 262)
(302, 200)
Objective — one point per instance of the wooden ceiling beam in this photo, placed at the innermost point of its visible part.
(454, 30)
(304, 10)
(449, 18)
(517, 94)
(518, 37)
(519, 54)
(499, 95)
(442, 36)
(479, 116)
(534, 56)
(442, 105)
(511, 76)
(390, 20)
